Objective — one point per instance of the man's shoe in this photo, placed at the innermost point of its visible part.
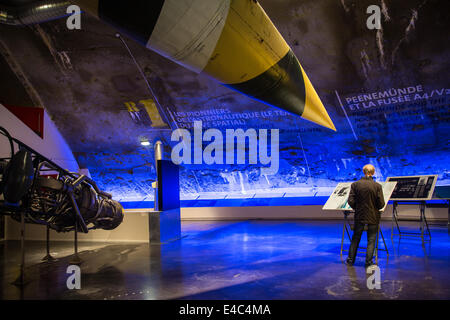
(368, 265)
(349, 262)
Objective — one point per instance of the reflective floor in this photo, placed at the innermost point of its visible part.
(235, 260)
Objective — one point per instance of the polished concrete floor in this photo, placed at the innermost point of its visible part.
(234, 260)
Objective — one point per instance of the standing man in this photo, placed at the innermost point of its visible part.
(366, 198)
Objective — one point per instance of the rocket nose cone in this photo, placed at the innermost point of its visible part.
(286, 86)
(314, 109)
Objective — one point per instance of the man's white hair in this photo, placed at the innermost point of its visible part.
(369, 170)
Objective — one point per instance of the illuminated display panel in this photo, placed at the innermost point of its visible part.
(413, 187)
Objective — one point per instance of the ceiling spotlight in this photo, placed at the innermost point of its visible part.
(145, 142)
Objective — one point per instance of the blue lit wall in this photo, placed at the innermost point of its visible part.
(398, 139)
(388, 94)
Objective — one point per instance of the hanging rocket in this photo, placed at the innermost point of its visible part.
(233, 41)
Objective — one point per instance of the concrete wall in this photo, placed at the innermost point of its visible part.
(52, 146)
(134, 228)
(298, 212)
(135, 225)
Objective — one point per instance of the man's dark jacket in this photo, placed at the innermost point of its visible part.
(366, 198)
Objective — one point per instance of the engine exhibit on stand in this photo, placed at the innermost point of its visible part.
(34, 189)
(49, 195)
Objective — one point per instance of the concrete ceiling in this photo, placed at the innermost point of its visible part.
(90, 86)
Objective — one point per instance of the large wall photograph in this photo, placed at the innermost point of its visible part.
(387, 92)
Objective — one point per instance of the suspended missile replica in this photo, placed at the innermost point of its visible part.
(233, 41)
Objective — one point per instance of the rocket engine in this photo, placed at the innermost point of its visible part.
(61, 200)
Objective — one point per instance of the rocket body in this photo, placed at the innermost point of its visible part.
(233, 41)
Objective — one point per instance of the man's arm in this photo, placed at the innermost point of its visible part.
(352, 197)
(380, 197)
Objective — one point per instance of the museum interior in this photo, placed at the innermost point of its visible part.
(213, 149)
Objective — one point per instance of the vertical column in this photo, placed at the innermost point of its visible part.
(165, 221)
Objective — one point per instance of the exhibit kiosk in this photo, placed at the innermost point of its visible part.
(412, 190)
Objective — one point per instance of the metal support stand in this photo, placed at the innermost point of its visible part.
(376, 247)
(424, 229)
(75, 258)
(78, 221)
(345, 230)
(21, 280)
(48, 257)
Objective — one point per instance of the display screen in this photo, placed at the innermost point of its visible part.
(413, 188)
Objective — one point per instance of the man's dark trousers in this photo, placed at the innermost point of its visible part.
(356, 238)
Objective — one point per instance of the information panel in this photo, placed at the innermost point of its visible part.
(339, 198)
(413, 187)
